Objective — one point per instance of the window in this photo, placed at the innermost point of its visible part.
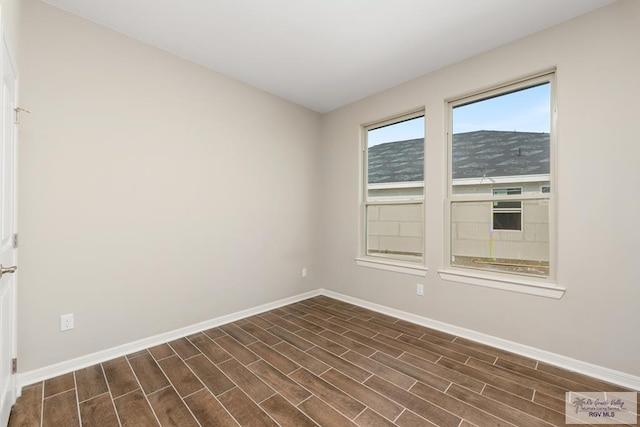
(499, 195)
(393, 214)
(507, 215)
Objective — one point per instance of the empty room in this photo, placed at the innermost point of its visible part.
(287, 213)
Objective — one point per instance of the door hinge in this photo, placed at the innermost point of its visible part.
(15, 241)
(14, 365)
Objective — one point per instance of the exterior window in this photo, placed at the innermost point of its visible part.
(499, 197)
(507, 214)
(394, 189)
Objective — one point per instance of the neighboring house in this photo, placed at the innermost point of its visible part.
(486, 163)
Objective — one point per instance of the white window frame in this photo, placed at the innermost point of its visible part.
(513, 282)
(382, 261)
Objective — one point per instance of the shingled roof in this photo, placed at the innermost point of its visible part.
(484, 153)
(399, 161)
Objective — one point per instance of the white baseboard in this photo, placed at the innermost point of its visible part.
(37, 375)
(605, 374)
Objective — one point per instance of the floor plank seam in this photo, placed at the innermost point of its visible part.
(75, 385)
(113, 402)
(144, 394)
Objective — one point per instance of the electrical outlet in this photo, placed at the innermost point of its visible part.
(304, 272)
(66, 322)
(419, 289)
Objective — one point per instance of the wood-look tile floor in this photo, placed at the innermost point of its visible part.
(316, 362)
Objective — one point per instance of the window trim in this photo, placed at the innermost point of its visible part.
(515, 282)
(397, 266)
(378, 261)
(497, 281)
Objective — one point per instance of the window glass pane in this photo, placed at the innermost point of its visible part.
(509, 206)
(507, 220)
(395, 231)
(500, 150)
(395, 159)
(500, 138)
(506, 205)
(476, 242)
(506, 191)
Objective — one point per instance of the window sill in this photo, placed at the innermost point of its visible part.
(507, 284)
(390, 265)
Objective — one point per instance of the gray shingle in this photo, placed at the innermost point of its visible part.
(490, 153)
(484, 153)
(396, 161)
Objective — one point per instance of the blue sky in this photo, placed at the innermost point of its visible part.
(523, 111)
(527, 110)
(409, 129)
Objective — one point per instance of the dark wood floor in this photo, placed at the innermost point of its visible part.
(316, 362)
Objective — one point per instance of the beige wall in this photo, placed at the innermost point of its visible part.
(597, 59)
(154, 193)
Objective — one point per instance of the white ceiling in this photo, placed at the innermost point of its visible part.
(323, 54)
